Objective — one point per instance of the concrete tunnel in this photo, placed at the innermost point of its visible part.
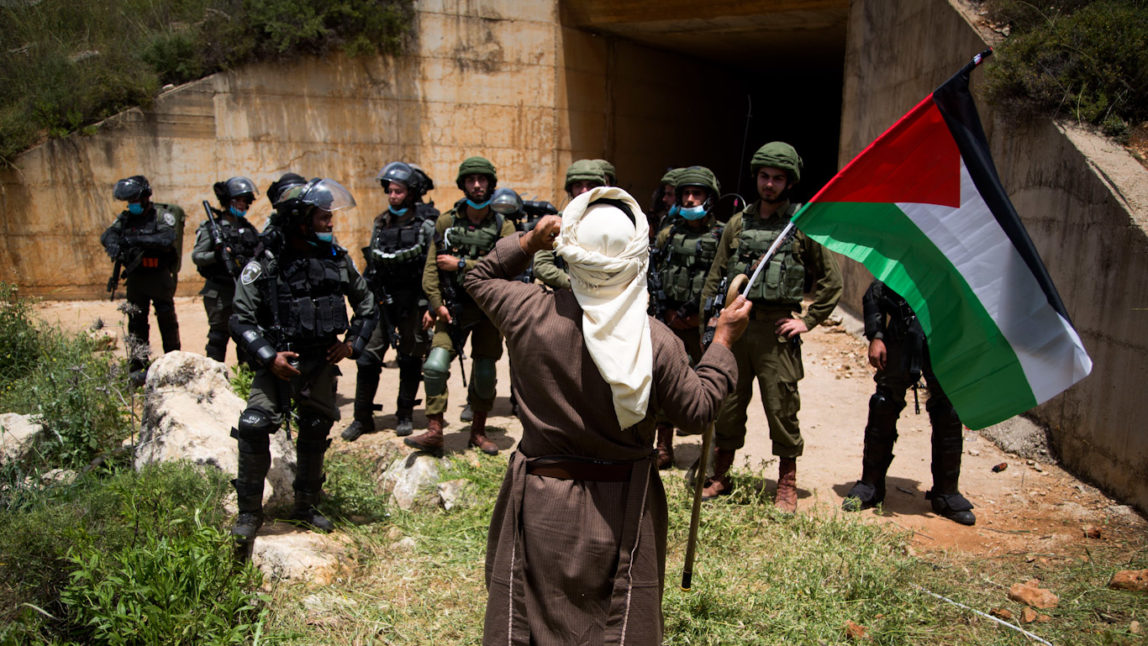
(739, 74)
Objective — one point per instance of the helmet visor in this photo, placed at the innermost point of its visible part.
(130, 190)
(327, 194)
(506, 202)
(237, 186)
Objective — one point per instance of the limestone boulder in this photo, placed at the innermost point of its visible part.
(285, 553)
(413, 481)
(17, 434)
(189, 411)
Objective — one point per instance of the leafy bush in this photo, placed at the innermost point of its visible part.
(1086, 60)
(126, 558)
(76, 391)
(66, 64)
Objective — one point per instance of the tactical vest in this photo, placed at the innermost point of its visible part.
(151, 240)
(783, 280)
(312, 309)
(688, 256)
(471, 241)
(394, 248)
(243, 239)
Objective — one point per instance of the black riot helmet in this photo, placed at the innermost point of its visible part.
(409, 175)
(238, 186)
(132, 189)
(427, 182)
(285, 181)
(506, 202)
(298, 202)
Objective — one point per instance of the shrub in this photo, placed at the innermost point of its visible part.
(1085, 60)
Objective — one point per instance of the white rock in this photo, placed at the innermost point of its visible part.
(17, 433)
(413, 479)
(189, 411)
(455, 493)
(289, 554)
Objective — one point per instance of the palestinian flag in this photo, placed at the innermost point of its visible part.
(923, 209)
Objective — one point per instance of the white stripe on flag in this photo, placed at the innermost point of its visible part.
(1049, 350)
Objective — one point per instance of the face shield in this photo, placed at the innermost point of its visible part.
(506, 202)
(132, 189)
(327, 194)
(237, 186)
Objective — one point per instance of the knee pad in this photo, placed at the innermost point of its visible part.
(313, 432)
(484, 378)
(883, 403)
(436, 369)
(254, 430)
(943, 416)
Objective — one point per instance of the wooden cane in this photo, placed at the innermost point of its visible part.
(703, 465)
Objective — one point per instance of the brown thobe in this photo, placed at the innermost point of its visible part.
(580, 561)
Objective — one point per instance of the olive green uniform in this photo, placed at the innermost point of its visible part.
(548, 271)
(684, 255)
(219, 285)
(150, 248)
(775, 361)
(456, 235)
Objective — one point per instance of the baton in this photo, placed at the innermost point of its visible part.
(703, 466)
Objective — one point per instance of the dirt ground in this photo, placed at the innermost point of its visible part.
(1032, 506)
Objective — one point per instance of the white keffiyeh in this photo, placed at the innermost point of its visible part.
(607, 255)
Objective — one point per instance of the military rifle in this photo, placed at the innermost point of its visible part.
(449, 291)
(217, 239)
(114, 281)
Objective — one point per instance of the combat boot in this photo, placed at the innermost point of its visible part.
(786, 498)
(366, 384)
(467, 414)
(405, 423)
(478, 437)
(307, 515)
(309, 449)
(248, 485)
(719, 484)
(869, 491)
(404, 407)
(431, 440)
(665, 446)
(948, 445)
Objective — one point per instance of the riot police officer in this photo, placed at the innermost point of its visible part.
(680, 260)
(146, 243)
(463, 234)
(220, 264)
(289, 312)
(395, 259)
(898, 351)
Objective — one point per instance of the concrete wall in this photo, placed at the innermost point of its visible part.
(1082, 200)
(498, 78)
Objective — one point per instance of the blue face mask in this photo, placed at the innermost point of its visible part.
(692, 212)
(398, 212)
(327, 237)
(673, 211)
(476, 205)
(135, 208)
(237, 213)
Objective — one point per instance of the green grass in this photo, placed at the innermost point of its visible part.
(65, 65)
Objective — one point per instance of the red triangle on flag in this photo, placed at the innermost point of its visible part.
(915, 161)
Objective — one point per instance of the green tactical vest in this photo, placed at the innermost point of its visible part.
(688, 256)
(470, 241)
(783, 280)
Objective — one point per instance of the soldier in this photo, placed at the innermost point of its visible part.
(607, 171)
(679, 263)
(898, 351)
(395, 260)
(289, 311)
(463, 234)
(581, 176)
(220, 264)
(577, 543)
(662, 203)
(146, 241)
(770, 351)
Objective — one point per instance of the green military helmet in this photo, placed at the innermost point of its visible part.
(476, 166)
(671, 176)
(608, 171)
(584, 170)
(697, 176)
(778, 154)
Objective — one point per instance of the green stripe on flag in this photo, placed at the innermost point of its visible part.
(974, 362)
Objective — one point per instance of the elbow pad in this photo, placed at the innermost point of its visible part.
(250, 339)
(360, 333)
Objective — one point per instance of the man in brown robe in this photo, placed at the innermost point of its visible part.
(577, 543)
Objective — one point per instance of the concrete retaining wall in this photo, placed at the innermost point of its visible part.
(1082, 200)
(497, 78)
